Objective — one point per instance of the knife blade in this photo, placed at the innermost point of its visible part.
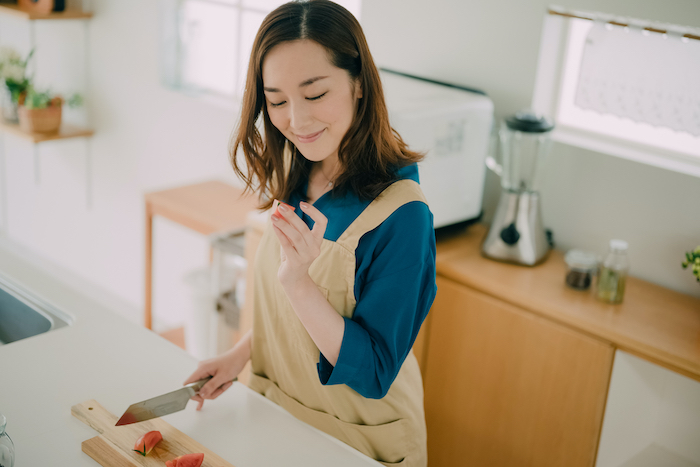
(162, 405)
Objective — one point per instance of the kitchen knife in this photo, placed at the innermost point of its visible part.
(162, 405)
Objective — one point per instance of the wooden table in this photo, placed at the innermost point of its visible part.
(208, 208)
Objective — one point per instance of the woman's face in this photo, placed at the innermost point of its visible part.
(309, 100)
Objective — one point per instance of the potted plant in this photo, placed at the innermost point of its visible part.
(13, 81)
(40, 112)
(692, 259)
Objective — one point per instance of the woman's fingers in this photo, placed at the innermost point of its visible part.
(320, 221)
(285, 243)
(292, 226)
(291, 231)
(220, 390)
(200, 373)
(215, 385)
(199, 399)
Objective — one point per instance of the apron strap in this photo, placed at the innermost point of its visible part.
(393, 197)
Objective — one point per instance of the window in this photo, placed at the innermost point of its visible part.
(622, 87)
(206, 44)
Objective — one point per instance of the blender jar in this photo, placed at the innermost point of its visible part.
(525, 141)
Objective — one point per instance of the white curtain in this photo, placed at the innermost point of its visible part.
(641, 75)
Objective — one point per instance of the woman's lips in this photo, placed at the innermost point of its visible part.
(310, 138)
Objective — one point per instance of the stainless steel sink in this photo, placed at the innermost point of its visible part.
(23, 314)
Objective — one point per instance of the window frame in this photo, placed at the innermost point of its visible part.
(549, 85)
(172, 55)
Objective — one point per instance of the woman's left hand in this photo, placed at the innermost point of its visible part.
(299, 245)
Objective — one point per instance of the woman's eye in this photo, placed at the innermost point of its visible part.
(278, 104)
(317, 97)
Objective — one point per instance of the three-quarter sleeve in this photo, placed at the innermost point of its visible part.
(394, 289)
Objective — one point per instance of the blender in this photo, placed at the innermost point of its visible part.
(517, 234)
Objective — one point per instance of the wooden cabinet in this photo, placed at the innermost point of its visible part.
(506, 388)
(517, 367)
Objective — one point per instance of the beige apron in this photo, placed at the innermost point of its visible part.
(284, 357)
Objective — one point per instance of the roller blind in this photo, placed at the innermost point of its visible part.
(644, 76)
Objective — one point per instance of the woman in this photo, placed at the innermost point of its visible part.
(343, 282)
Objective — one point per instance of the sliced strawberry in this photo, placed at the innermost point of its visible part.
(188, 460)
(277, 212)
(147, 442)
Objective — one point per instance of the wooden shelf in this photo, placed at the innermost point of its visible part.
(13, 10)
(66, 131)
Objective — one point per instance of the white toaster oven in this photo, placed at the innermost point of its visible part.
(452, 126)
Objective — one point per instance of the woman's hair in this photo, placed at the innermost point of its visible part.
(369, 153)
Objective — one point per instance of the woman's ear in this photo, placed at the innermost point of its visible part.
(358, 89)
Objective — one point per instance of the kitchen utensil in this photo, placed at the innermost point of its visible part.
(162, 405)
(114, 445)
(517, 234)
(451, 125)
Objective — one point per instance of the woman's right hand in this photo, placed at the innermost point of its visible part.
(223, 370)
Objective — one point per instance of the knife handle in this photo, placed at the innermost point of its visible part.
(197, 385)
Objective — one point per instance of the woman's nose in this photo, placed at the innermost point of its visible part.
(299, 117)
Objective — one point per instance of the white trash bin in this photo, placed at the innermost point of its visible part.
(216, 297)
(202, 317)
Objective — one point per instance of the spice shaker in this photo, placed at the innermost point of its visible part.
(581, 267)
(7, 448)
(613, 274)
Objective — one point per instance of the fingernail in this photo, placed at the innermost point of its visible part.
(275, 218)
(283, 208)
(303, 204)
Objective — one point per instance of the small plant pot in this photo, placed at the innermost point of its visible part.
(46, 120)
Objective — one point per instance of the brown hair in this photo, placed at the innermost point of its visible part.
(369, 153)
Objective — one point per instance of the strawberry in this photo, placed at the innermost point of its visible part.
(147, 442)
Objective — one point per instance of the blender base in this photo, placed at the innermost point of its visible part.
(517, 234)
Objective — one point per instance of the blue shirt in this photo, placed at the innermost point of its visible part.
(394, 289)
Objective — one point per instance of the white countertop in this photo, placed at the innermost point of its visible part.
(105, 357)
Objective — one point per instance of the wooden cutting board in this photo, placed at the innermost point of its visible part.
(114, 445)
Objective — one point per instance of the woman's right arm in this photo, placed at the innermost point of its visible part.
(223, 369)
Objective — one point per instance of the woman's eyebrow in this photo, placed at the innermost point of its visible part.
(301, 85)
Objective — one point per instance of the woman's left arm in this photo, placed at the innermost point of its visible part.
(299, 248)
(394, 288)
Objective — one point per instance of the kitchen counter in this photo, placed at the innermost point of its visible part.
(655, 323)
(103, 356)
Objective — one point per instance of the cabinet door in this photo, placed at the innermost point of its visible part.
(504, 387)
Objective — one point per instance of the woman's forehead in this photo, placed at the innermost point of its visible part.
(296, 63)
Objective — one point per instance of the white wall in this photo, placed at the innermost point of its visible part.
(588, 198)
(148, 138)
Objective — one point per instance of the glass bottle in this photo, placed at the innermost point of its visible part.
(7, 447)
(613, 273)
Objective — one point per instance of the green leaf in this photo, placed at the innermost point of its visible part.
(143, 453)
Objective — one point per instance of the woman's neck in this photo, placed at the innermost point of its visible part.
(322, 178)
